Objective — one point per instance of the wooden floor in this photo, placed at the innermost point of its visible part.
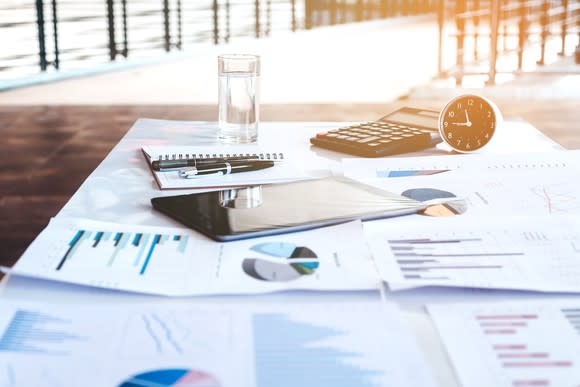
(47, 152)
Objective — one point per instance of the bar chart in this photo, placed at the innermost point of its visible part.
(504, 253)
(524, 344)
(119, 249)
(573, 317)
(285, 357)
(37, 333)
(443, 258)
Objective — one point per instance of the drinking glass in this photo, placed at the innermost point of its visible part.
(239, 103)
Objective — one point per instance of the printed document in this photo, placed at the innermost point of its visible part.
(525, 253)
(396, 167)
(208, 345)
(181, 262)
(512, 344)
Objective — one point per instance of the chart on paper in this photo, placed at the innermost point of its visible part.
(511, 253)
(119, 249)
(529, 344)
(208, 345)
(178, 262)
(119, 256)
(397, 167)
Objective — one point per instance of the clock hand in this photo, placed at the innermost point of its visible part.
(467, 118)
(461, 123)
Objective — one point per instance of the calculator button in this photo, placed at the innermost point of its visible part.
(321, 135)
(373, 144)
(396, 133)
(368, 139)
(330, 135)
(396, 138)
(352, 139)
(407, 135)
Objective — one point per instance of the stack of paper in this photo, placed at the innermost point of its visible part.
(248, 345)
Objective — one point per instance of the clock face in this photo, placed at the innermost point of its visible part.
(468, 122)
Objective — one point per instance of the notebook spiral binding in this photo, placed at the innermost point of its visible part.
(193, 156)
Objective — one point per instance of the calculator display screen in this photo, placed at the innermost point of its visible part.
(426, 119)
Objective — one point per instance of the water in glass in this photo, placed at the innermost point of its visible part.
(238, 107)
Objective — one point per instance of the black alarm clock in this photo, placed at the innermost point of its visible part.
(468, 122)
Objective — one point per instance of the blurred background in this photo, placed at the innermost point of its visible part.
(75, 75)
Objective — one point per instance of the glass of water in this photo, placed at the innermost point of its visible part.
(239, 103)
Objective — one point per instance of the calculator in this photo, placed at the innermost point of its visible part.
(405, 130)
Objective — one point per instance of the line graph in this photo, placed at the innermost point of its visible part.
(558, 197)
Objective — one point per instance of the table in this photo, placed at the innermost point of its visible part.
(119, 190)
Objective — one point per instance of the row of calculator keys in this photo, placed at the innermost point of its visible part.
(373, 133)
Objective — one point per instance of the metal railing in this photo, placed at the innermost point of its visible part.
(494, 28)
(54, 35)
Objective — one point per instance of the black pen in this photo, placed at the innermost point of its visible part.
(225, 168)
(175, 164)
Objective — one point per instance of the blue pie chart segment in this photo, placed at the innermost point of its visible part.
(175, 377)
(281, 249)
(281, 267)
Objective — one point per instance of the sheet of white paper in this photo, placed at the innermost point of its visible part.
(479, 193)
(396, 167)
(512, 344)
(178, 261)
(527, 253)
(241, 345)
(280, 172)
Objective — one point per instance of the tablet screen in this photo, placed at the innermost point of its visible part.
(270, 209)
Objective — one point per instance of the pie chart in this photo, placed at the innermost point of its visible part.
(451, 208)
(280, 262)
(172, 377)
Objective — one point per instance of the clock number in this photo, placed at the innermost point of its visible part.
(459, 106)
(446, 124)
(469, 102)
(449, 135)
(451, 114)
(489, 114)
(467, 146)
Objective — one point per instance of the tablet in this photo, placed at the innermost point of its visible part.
(240, 213)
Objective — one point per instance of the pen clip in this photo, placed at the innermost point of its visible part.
(191, 173)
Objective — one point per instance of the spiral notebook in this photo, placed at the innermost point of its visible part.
(283, 171)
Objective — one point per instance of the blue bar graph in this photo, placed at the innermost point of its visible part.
(119, 249)
(156, 240)
(33, 332)
(142, 250)
(98, 238)
(286, 357)
(72, 244)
